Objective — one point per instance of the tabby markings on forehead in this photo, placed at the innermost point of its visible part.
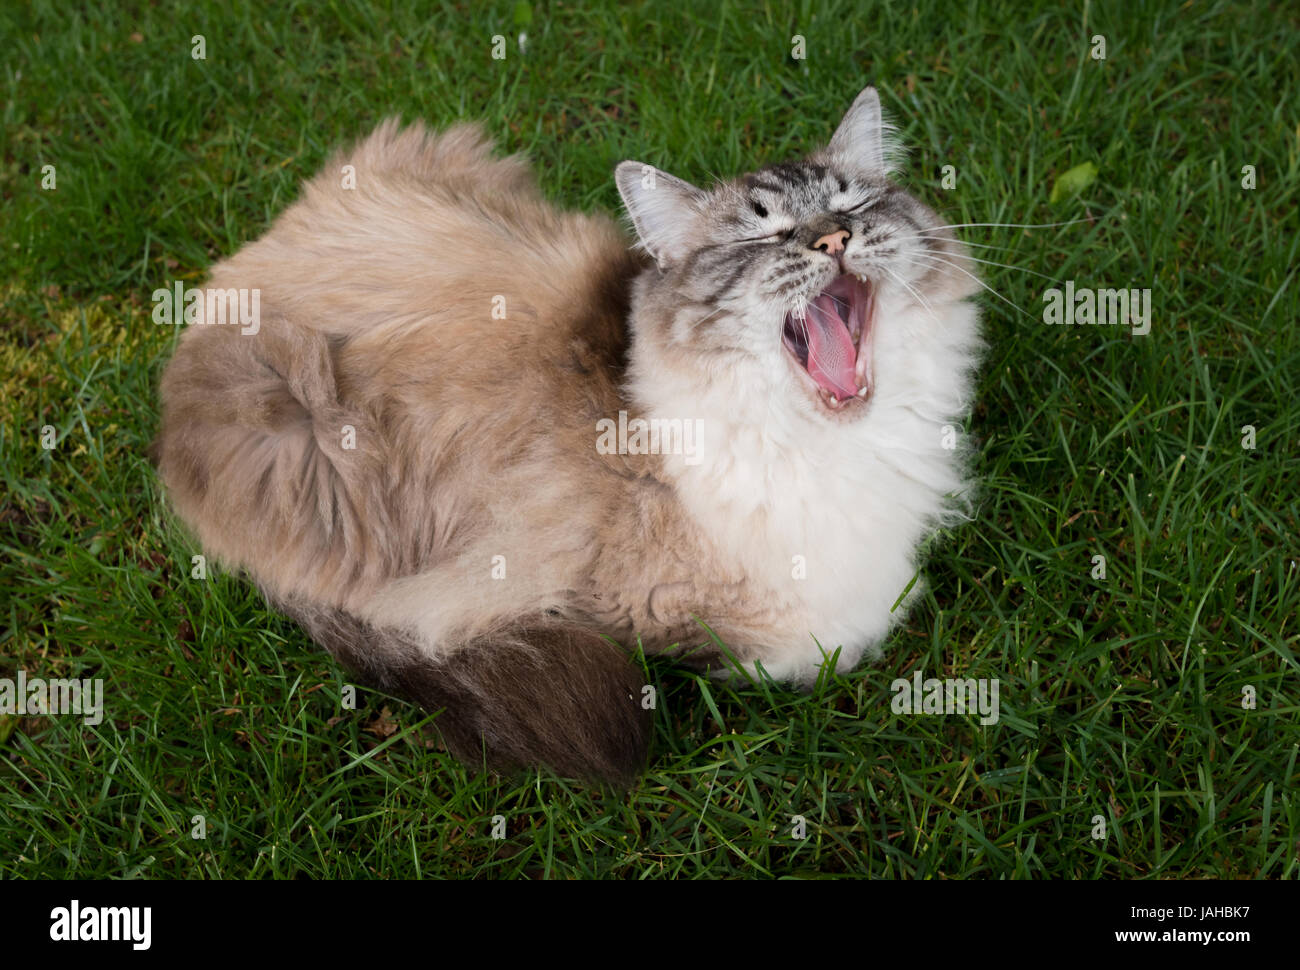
(795, 173)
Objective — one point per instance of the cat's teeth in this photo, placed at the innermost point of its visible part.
(862, 393)
(834, 400)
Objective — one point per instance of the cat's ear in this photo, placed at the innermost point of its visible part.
(663, 209)
(862, 141)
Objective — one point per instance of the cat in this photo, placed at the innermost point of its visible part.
(413, 453)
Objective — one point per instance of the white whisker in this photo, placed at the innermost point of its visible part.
(802, 320)
(925, 304)
(972, 276)
(993, 262)
(1004, 225)
(706, 317)
(967, 242)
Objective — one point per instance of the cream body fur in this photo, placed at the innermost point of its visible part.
(417, 480)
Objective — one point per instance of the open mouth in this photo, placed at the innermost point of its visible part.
(832, 342)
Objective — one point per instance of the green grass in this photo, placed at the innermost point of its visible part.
(1120, 697)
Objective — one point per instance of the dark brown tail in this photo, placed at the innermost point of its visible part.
(540, 694)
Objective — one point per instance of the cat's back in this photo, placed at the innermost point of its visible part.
(414, 228)
(428, 322)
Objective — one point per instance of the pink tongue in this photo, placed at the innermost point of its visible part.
(831, 354)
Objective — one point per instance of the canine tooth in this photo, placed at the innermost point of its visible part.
(862, 393)
(834, 399)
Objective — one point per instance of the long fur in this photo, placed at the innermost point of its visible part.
(416, 479)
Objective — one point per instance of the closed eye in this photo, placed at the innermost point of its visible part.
(781, 236)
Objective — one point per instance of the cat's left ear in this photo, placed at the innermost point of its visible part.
(862, 142)
(663, 209)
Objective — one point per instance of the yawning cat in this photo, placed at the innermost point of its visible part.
(412, 454)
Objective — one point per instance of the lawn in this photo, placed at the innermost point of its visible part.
(1150, 714)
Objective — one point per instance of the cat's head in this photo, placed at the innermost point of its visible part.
(783, 278)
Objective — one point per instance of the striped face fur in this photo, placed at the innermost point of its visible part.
(779, 271)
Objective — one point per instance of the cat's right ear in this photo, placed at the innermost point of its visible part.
(663, 209)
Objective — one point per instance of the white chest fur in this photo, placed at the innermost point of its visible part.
(828, 517)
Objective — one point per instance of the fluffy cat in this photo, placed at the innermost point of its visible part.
(412, 455)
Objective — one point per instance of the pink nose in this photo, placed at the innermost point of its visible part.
(832, 242)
